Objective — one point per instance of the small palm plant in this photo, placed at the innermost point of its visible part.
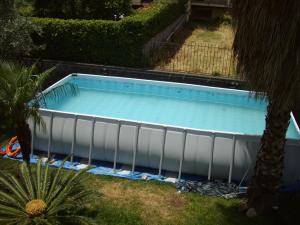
(18, 88)
(46, 196)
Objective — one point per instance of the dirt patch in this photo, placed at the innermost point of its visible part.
(155, 205)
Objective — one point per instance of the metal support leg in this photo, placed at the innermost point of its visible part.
(135, 146)
(182, 155)
(33, 137)
(228, 3)
(232, 158)
(74, 138)
(162, 151)
(117, 145)
(50, 136)
(92, 141)
(211, 156)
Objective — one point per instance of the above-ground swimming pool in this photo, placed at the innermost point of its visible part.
(183, 128)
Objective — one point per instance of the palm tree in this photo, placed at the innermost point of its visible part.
(267, 48)
(20, 102)
(46, 196)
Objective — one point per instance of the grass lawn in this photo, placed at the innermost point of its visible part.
(203, 47)
(147, 202)
(206, 32)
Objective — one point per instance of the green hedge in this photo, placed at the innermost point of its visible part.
(106, 42)
(82, 9)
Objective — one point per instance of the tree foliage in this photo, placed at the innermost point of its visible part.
(15, 32)
(83, 9)
(267, 48)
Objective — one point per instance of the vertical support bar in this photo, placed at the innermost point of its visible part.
(182, 155)
(228, 3)
(213, 137)
(50, 135)
(232, 158)
(92, 140)
(135, 146)
(162, 151)
(33, 136)
(74, 138)
(117, 145)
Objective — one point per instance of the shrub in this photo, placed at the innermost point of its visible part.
(107, 42)
(82, 9)
(46, 196)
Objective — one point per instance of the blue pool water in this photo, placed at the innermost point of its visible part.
(174, 105)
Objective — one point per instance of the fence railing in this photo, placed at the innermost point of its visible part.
(214, 3)
(192, 58)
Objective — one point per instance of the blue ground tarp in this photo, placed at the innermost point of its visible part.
(102, 170)
(96, 169)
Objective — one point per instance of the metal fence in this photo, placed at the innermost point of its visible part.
(192, 58)
(213, 3)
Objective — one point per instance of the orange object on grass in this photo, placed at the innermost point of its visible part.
(9, 148)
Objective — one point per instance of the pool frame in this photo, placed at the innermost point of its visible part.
(242, 139)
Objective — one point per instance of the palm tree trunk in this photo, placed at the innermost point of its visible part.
(24, 138)
(263, 189)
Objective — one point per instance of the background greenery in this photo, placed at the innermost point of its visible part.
(105, 41)
(82, 9)
(15, 32)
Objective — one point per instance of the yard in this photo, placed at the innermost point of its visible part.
(201, 47)
(206, 32)
(146, 202)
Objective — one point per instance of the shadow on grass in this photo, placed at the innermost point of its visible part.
(289, 209)
(167, 50)
(231, 215)
(287, 214)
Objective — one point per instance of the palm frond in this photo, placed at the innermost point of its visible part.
(15, 187)
(55, 182)
(39, 180)
(11, 211)
(10, 200)
(33, 113)
(11, 220)
(5, 88)
(61, 193)
(70, 182)
(57, 197)
(44, 221)
(75, 219)
(28, 180)
(42, 77)
(267, 47)
(45, 183)
(59, 92)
